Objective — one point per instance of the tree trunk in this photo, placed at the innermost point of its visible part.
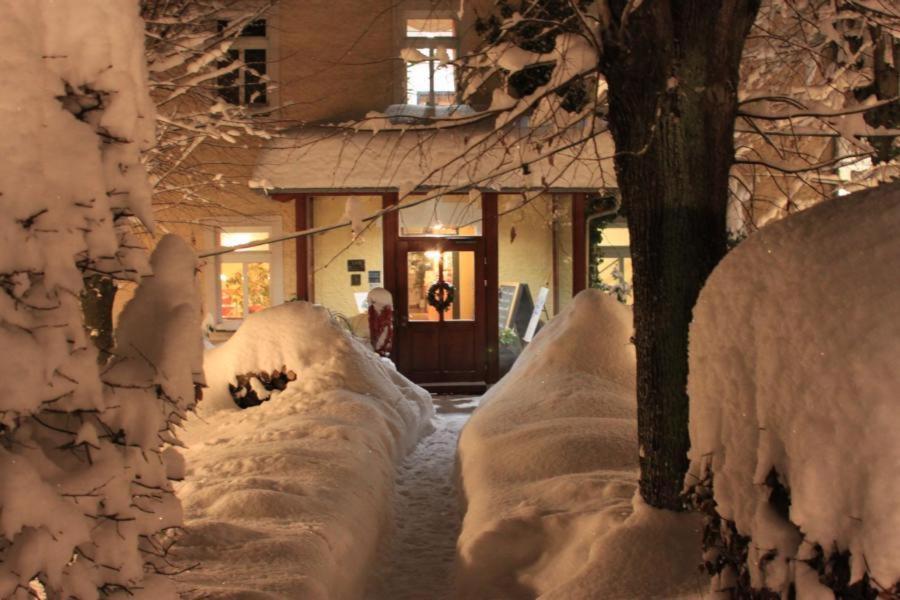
(97, 305)
(672, 71)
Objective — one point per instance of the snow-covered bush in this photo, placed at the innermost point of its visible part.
(85, 455)
(292, 498)
(794, 417)
(549, 466)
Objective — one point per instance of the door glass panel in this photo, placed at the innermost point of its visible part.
(422, 270)
(258, 284)
(231, 283)
(459, 270)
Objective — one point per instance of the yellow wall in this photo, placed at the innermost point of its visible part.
(332, 282)
(529, 257)
(564, 256)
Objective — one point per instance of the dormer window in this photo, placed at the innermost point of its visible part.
(431, 46)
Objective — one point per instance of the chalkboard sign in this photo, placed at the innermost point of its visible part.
(515, 307)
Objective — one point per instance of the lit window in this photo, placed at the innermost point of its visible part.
(244, 277)
(246, 85)
(430, 50)
(431, 28)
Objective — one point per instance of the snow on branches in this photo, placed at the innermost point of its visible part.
(191, 55)
(86, 454)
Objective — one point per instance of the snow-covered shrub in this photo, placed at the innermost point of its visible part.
(794, 382)
(85, 455)
(549, 469)
(293, 498)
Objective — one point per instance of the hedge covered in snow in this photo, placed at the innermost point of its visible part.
(86, 451)
(292, 498)
(794, 421)
(548, 468)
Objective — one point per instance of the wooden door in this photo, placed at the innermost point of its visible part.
(443, 341)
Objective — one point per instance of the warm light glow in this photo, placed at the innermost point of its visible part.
(230, 239)
(842, 192)
(433, 254)
(437, 227)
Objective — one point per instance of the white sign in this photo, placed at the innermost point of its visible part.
(536, 314)
(362, 301)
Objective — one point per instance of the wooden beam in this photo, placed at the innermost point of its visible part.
(390, 236)
(489, 232)
(303, 220)
(579, 242)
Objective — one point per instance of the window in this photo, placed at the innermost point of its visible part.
(246, 84)
(430, 48)
(246, 280)
(609, 255)
(446, 216)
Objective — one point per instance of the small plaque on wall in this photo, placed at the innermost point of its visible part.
(355, 279)
(374, 277)
(356, 265)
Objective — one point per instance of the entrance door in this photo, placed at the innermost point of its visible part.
(440, 305)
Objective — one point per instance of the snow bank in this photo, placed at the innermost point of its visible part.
(795, 348)
(549, 473)
(289, 499)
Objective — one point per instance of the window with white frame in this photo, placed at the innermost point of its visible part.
(247, 84)
(248, 279)
(431, 46)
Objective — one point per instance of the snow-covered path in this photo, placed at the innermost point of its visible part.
(418, 562)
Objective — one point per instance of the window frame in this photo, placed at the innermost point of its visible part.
(273, 256)
(240, 45)
(430, 46)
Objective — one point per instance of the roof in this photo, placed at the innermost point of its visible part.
(405, 158)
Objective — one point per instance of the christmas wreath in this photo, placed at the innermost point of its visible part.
(441, 295)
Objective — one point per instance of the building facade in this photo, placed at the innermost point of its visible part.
(509, 234)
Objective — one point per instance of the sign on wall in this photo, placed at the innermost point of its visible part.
(356, 265)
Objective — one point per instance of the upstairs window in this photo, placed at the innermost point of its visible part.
(246, 84)
(430, 48)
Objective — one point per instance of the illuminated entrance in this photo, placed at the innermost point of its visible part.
(440, 335)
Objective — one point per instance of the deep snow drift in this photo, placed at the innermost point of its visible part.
(549, 472)
(289, 499)
(795, 366)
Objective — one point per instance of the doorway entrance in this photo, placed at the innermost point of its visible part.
(440, 305)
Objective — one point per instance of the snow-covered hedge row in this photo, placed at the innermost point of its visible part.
(86, 453)
(548, 467)
(794, 388)
(291, 498)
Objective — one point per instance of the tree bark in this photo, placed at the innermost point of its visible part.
(97, 306)
(672, 70)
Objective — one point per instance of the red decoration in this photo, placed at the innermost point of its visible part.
(381, 329)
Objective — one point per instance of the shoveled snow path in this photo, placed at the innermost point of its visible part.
(418, 562)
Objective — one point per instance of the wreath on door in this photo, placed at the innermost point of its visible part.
(441, 295)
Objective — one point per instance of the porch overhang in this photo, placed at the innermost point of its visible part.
(326, 160)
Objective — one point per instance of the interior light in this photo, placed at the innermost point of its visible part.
(842, 192)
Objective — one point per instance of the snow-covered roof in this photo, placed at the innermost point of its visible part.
(325, 158)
